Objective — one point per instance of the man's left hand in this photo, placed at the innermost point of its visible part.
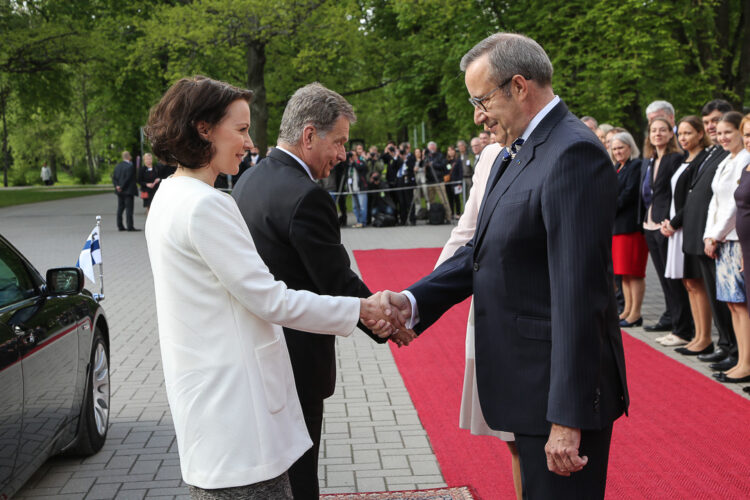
(562, 450)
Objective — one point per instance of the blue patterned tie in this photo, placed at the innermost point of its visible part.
(515, 147)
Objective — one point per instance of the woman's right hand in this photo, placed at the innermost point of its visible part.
(709, 247)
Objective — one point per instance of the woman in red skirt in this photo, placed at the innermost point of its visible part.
(629, 250)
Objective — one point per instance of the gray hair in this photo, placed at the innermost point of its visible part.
(658, 106)
(313, 105)
(432, 143)
(590, 119)
(605, 127)
(626, 138)
(512, 54)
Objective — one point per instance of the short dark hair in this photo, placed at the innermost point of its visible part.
(733, 117)
(171, 126)
(712, 106)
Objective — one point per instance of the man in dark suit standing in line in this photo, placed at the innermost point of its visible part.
(295, 229)
(124, 180)
(695, 213)
(549, 357)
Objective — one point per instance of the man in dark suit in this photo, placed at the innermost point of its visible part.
(124, 180)
(695, 213)
(295, 229)
(404, 167)
(549, 357)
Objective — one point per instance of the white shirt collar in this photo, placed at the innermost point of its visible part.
(539, 117)
(307, 169)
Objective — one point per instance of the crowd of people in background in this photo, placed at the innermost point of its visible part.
(684, 199)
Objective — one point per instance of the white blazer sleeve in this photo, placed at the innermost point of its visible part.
(467, 224)
(220, 235)
(722, 211)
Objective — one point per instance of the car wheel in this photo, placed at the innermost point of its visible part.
(94, 419)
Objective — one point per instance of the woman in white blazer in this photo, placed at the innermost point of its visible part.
(720, 236)
(471, 417)
(228, 377)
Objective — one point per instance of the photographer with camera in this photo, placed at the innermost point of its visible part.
(375, 167)
(435, 168)
(357, 182)
(404, 167)
(391, 169)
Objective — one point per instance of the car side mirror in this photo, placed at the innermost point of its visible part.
(64, 281)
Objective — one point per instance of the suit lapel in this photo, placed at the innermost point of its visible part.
(517, 165)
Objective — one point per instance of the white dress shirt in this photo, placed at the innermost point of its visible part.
(304, 165)
(227, 371)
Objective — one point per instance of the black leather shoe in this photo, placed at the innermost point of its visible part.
(719, 354)
(722, 377)
(687, 352)
(121, 229)
(658, 327)
(746, 389)
(133, 229)
(624, 323)
(724, 365)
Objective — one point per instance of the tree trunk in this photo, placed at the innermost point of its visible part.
(6, 153)
(86, 130)
(255, 53)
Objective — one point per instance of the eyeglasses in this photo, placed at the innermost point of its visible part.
(478, 102)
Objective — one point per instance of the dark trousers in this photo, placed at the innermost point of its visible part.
(454, 200)
(372, 199)
(675, 294)
(720, 311)
(342, 209)
(125, 203)
(589, 483)
(303, 474)
(619, 296)
(396, 199)
(406, 208)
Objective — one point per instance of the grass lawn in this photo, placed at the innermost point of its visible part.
(10, 197)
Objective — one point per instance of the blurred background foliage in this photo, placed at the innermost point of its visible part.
(77, 77)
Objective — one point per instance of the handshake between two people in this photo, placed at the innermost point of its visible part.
(386, 313)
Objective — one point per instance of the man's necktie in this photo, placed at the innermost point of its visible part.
(508, 155)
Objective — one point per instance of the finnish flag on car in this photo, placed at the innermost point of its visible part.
(90, 255)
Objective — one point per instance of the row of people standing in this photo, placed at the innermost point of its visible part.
(678, 205)
(431, 175)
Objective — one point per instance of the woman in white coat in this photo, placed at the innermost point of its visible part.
(471, 417)
(228, 377)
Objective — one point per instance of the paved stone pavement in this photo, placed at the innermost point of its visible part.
(373, 439)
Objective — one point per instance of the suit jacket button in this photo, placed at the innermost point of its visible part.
(476, 266)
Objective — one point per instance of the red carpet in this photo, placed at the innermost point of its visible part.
(686, 437)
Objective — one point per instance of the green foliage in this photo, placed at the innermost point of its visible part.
(78, 77)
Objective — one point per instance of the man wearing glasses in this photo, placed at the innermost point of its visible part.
(549, 359)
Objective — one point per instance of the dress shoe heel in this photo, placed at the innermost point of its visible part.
(625, 324)
(687, 352)
(658, 327)
(719, 354)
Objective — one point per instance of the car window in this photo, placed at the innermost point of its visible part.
(15, 282)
